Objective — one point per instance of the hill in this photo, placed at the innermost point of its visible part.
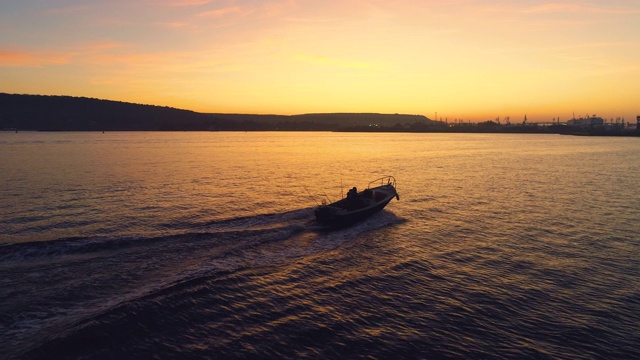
(66, 113)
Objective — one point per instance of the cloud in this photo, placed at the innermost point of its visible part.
(105, 45)
(222, 12)
(68, 10)
(186, 3)
(101, 52)
(335, 62)
(19, 58)
(577, 9)
(174, 24)
(277, 8)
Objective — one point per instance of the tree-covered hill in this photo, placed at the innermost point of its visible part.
(66, 113)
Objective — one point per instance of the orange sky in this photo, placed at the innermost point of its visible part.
(469, 59)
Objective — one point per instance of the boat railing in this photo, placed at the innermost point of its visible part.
(385, 180)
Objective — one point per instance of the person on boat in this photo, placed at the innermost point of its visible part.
(353, 200)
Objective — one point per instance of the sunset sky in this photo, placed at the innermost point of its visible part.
(470, 59)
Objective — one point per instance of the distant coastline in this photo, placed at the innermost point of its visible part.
(66, 113)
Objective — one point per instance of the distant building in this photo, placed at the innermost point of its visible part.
(586, 122)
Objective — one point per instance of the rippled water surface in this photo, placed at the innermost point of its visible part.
(203, 245)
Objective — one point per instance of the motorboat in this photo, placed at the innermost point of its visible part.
(358, 206)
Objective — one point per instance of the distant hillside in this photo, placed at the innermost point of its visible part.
(36, 112)
(66, 113)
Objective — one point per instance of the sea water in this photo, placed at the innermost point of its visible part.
(203, 245)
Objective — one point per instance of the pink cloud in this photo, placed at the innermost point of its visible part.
(174, 24)
(277, 8)
(88, 53)
(17, 58)
(106, 45)
(222, 12)
(186, 3)
(577, 9)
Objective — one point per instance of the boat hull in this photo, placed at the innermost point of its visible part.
(340, 215)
